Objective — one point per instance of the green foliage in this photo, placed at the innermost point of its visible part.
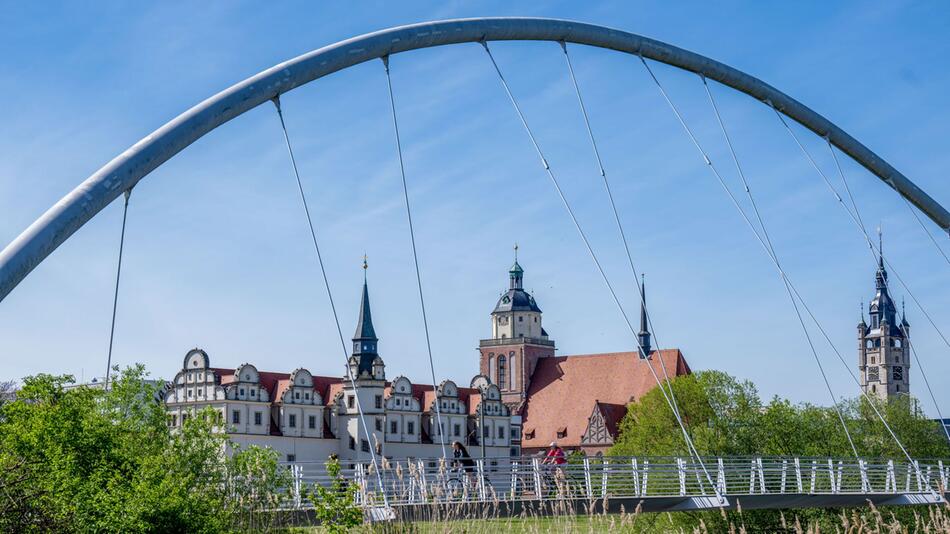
(335, 506)
(84, 459)
(726, 417)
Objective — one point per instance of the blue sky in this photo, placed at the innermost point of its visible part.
(218, 253)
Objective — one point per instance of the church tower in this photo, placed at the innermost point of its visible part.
(517, 342)
(365, 361)
(884, 344)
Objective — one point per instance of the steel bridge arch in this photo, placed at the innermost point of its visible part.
(59, 222)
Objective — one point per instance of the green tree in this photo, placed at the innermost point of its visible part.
(84, 459)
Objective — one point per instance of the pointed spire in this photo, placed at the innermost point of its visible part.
(644, 335)
(904, 322)
(861, 312)
(364, 328)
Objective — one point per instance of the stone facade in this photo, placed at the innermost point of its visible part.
(307, 417)
(884, 345)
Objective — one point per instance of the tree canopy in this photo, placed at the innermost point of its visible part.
(84, 459)
(726, 416)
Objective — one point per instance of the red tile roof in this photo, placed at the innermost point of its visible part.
(564, 389)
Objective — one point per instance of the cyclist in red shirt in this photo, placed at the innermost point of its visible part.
(555, 455)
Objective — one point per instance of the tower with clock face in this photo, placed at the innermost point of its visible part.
(884, 345)
(517, 341)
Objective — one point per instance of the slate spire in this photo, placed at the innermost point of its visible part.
(365, 340)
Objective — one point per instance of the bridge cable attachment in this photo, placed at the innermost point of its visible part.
(616, 213)
(567, 206)
(415, 260)
(336, 319)
(115, 297)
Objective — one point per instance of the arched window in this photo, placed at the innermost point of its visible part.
(501, 373)
(513, 374)
(491, 368)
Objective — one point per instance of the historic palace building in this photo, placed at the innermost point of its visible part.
(577, 401)
(307, 417)
(884, 345)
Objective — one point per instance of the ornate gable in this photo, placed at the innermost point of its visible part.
(597, 432)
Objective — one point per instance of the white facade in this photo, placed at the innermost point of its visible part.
(308, 418)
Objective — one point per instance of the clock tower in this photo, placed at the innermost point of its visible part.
(517, 341)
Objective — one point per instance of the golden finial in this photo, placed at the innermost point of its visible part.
(516, 252)
(365, 264)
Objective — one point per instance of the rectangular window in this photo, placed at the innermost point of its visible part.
(257, 418)
(291, 457)
(352, 443)
(253, 392)
(349, 401)
(292, 421)
(501, 432)
(486, 432)
(296, 394)
(393, 427)
(364, 445)
(456, 430)
(411, 427)
(379, 401)
(174, 420)
(236, 417)
(312, 421)
(201, 392)
(189, 393)
(379, 424)
(241, 391)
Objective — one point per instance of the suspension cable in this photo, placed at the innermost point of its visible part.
(855, 217)
(789, 286)
(613, 207)
(689, 442)
(115, 296)
(927, 230)
(857, 212)
(336, 319)
(867, 238)
(415, 256)
(786, 282)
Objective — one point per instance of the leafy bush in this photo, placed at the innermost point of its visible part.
(335, 506)
(84, 459)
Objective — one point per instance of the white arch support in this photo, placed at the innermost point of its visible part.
(55, 226)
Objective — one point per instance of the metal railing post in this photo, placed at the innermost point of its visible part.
(605, 469)
(831, 475)
(681, 471)
(798, 476)
(636, 477)
(536, 470)
(865, 482)
(646, 476)
(425, 483)
(721, 476)
(587, 483)
(480, 471)
(814, 474)
(758, 462)
(891, 484)
(784, 473)
(514, 479)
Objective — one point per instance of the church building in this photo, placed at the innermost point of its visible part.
(576, 401)
(884, 345)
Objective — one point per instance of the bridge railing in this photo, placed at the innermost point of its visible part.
(430, 480)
